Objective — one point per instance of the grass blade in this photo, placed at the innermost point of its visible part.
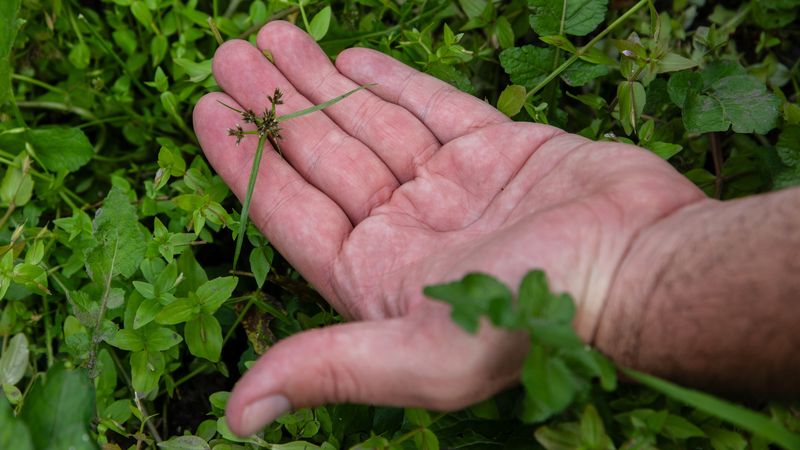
(330, 102)
(734, 414)
(243, 219)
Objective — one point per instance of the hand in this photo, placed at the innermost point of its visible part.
(409, 184)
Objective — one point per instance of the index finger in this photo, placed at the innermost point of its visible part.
(445, 110)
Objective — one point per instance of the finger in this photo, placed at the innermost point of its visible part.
(339, 165)
(390, 362)
(445, 110)
(302, 223)
(393, 133)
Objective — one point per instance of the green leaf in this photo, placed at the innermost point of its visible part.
(562, 436)
(146, 369)
(203, 336)
(473, 8)
(14, 434)
(788, 146)
(581, 73)
(511, 100)
(212, 294)
(59, 408)
(61, 149)
(418, 417)
(426, 440)
(159, 339)
(121, 240)
(158, 49)
(470, 298)
(178, 311)
(320, 106)
(673, 62)
(681, 84)
(580, 18)
(663, 149)
(260, 263)
(549, 385)
(527, 65)
(8, 33)
(632, 98)
(318, 27)
(185, 443)
(142, 13)
(127, 340)
(17, 185)
(676, 427)
(722, 439)
(744, 418)
(504, 32)
(14, 360)
(593, 433)
(80, 55)
(197, 71)
(739, 101)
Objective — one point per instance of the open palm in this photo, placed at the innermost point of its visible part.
(408, 184)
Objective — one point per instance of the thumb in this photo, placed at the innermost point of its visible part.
(399, 362)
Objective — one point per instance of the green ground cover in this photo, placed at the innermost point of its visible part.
(117, 293)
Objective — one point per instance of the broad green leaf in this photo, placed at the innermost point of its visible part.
(632, 98)
(17, 184)
(664, 149)
(527, 65)
(178, 311)
(549, 384)
(8, 33)
(418, 417)
(426, 440)
(203, 336)
(197, 71)
(581, 73)
(561, 436)
(14, 360)
(788, 146)
(511, 100)
(580, 18)
(146, 369)
(470, 298)
(127, 340)
(681, 84)
(318, 27)
(722, 439)
(673, 62)
(80, 55)
(212, 294)
(739, 101)
(677, 427)
(159, 339)
(142, 13)
(59, 408)
(473, 8)
(14, 434)
(260, 263)
(61, 149)
(504, 33)
(121, 240)
(185, 443)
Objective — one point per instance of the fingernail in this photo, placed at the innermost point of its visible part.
(262, 412)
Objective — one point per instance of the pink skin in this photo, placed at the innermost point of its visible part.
(408, 184)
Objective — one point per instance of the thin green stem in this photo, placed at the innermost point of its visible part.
(248, 197)
(586, 47)
(58, 106)
(36, 82)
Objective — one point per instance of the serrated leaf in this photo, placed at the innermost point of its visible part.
(581, 72)
(60, 408)
(318, 27)
(527, 65)
(580, 18)
(121, 240)
(739, 101)
(470, 298)
(203, 336)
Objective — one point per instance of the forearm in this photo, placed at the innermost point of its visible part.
(710, 297)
